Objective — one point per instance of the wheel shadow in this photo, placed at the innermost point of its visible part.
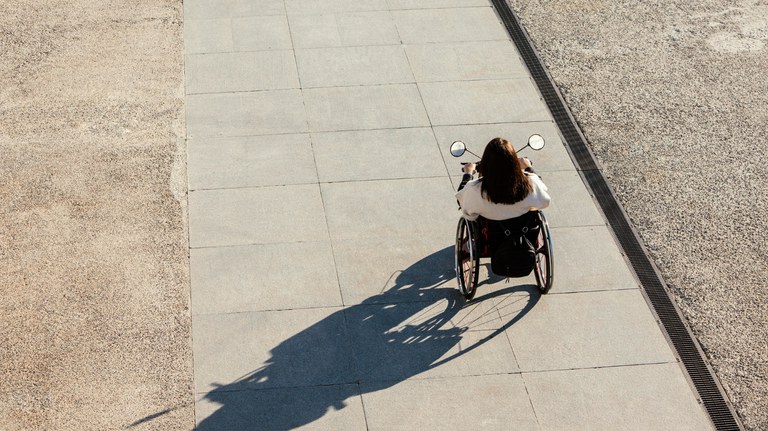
(408, 329)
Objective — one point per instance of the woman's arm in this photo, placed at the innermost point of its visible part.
(469, 170)
(464, 180)
(539, 197)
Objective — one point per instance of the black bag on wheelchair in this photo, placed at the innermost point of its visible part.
(514, 252)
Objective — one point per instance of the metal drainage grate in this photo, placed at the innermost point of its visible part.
(688, 350)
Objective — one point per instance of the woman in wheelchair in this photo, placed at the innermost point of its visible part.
(507, 187)
(499, 208)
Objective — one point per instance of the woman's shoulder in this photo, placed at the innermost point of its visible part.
(471, 188)
(474, 183)
(536, 180)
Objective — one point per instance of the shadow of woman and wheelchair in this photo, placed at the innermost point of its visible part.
(412, 327)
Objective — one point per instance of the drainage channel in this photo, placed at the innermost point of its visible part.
(688, 350)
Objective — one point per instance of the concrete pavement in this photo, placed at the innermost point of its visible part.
(321, 220)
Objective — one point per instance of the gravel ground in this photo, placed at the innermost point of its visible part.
(94, 315)
(673, 98)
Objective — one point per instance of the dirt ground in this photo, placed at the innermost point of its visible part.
(94, 315)
(672, 97)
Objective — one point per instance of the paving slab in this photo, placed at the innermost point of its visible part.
(337, 407)
(358, 65)
(344, 29)
(254, 277)
(209, 9)
(465, 61)
(256, 33)
(241, 71)
(642, 397)
(427, 333)
(571, 203)
(244, 114)
(433, 4)
(512, 298)
(404, 209)
(390, 270)
(350, 108)
(448, 25)
(377, 154)
(256, 216)
(588, 259)
(317, 7)
(252, 33)
(272, 349)
(595, 329)
(250, 161)
(208, 35)
(496, 402)
(478, 102)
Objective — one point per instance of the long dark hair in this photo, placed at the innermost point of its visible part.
(503, 179)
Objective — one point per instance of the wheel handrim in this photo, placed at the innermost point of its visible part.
(543, 264)
(467, 260)
(465, 264)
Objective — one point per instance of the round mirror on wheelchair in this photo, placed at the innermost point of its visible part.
(458, 148)
(536, 142)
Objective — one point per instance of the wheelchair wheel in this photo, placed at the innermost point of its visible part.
(544, 262)
(467, 259)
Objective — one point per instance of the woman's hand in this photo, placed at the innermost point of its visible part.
(524, 163)
(470, 168)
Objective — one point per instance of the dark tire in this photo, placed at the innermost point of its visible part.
(467, 259)
(544, 263)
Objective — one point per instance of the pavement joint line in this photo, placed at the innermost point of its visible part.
(434, 300)
(200, 137)
(415, 378)
(362, 402)
(185, 208)
(262, 90)
(620, 289)
(309, 241)
(278, 388)
(296, 64)
(595, 291)
(202, 54)
(317, 87)
(376, 45)
(577, 225)
(229, 313)
(415, 81)
(511, 347)
(364, 180)
(528, 394)
(359, 382)
(600, 367)
(297, 49)
(327, 224)
(442, 8)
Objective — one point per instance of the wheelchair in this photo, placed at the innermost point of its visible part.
(471, 246)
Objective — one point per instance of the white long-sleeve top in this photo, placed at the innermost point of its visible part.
(473, 204)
